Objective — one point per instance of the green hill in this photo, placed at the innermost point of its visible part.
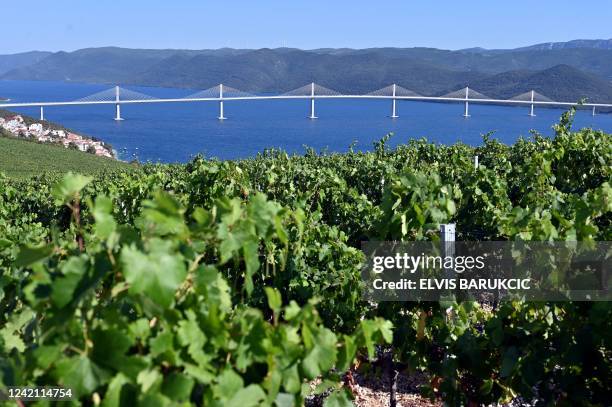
(24, 159)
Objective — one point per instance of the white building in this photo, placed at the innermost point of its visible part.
(36, 128)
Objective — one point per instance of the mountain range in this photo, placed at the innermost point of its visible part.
(565, 71)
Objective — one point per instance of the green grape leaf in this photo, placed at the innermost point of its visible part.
(177, 387)
(80, 374)
(250, 396)
(157, 274)
(338, 398)
(63, 287)
(69, 187)
(29, 255)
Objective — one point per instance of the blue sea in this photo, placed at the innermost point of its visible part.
(177, 132)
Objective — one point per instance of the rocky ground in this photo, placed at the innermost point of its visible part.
(373, 391)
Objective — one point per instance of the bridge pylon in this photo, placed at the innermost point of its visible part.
(393, 103)
(312, 101)
(221, 113)
(531, 111)
(466, 112)
(117, 104)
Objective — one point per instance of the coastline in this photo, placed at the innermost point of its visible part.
(25, 127)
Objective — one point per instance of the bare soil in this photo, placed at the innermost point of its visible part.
(372, 391)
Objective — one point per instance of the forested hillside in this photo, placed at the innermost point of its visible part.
(9, 62)
(561, 82)
(567, 73)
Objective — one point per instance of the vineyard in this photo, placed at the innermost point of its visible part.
(237, 283)
(23, 159)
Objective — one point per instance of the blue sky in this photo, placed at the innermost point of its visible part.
(196, 24)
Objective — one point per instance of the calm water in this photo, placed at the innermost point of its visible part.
(176, 132)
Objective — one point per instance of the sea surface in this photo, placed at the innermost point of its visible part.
(178, 131)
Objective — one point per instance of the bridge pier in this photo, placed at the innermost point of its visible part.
(312, 101)
(594, 113)
(531, 112)
(118, 112)
(221, 113)
(312, 109)
(42, 113)
(221, 117)
(117, 105)
(466, 111)
(393, 105)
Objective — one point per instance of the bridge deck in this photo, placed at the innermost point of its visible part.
(308, 97)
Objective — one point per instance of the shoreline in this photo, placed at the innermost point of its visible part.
(25, 127)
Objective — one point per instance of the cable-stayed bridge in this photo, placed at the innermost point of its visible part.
(221, 93)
